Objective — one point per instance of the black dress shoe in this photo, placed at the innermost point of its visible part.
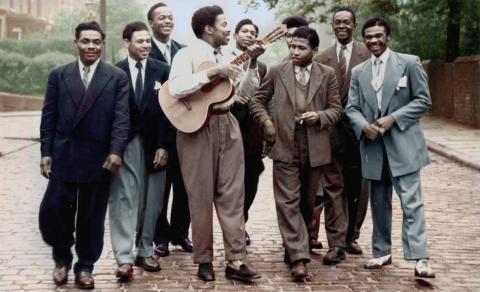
(299, 271)
(149, 264)
(124, 272)
(84, 280)
(315, 244)
(60, 274)
(161, 250)
(334, 256)
(205, 272)
(244, 273)
(354, 248)
(185, 243)
(248, 241)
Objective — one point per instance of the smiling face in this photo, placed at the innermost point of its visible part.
(90, 45)
(220, 32)
(343, 25)
(376, 40)
(162, 22)
(139, 46)
(246, 36)
(301, 52)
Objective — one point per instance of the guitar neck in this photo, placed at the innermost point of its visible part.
(241, 59)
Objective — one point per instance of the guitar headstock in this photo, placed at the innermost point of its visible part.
(275, 34)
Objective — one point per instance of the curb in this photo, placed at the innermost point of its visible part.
(448, 153)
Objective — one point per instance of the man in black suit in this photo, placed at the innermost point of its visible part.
(164, 49)
(246, 33)
(141, 180)
(84, 132)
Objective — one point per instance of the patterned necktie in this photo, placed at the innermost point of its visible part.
(167, 54)
(342, 62)
(139, 85)
(86, 71)
(302, 76)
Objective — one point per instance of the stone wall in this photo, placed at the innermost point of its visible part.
(14, 102)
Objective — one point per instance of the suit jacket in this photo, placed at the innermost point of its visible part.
(279, 86)
(342, 134)
(155, 52)
(404, 144)
(79, 128)
(149, 121)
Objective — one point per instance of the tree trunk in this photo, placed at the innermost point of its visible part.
(453, 30)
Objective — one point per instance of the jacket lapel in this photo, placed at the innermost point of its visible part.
(155, 53)
(287, 76)
(365, 80)
(98, 82)
(150, 73)
(315, 81)
(74, 84)
(393, 73)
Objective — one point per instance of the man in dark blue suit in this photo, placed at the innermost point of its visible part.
(164, 49)
(140, 182)
(84, 132)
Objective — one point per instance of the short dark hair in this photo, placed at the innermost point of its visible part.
(295, 21)
(245, 22)
(377, 21)
(152, 9)
(344, 8)
(203, 17)
(308, 33)
(133, 27)
(92, 25)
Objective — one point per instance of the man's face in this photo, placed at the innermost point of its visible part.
(343, 26)
(162, 21)
(376, 40)
(90, 46)
(139, 46)
(301, 52)
(289, 34)
(246, 36)
(221, 31)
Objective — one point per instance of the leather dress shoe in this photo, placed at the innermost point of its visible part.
(354, 248)
(315, 244)
(299, 271)
(84, 280)
(161, 250)
(124, 272)
(244, 273)
(334, 256)
(377, 263)
(423, 269)
(205, 272)
(248, 241)
(60, 274)
(185, 243)
(149, 264)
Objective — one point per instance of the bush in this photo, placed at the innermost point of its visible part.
(37, 46)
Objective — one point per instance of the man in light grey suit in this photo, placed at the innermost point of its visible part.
(387, 97)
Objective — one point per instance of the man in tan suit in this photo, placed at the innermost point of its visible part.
(304, 109)
(345, 54)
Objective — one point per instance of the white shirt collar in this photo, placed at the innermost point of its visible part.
(93, 67)
(132, 63)
(384, 56)
(348, 46)
(298, 68)
(162, 46)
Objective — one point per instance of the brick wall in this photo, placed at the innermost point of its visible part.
(14, 102)
(455, 89)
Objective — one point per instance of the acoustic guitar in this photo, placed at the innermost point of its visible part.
(190, 113)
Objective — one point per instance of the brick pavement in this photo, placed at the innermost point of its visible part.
(452, 206)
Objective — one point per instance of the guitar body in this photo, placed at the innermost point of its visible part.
(190, 113)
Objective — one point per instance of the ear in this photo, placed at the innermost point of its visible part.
(150, 23)
(208, 29)
(126, 43)
(315, 51)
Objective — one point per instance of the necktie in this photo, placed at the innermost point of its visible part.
(217, 53)
(139, 85)
(377, 82)
(86, 71)
(167, 54)
(342, 62)
(302, 76)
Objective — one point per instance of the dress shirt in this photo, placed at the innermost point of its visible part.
(347, 52)
(182, 79)
(383, 65)
(249, 81)
(163, 46)
(93, 67)
(307, 72)
(134, 70)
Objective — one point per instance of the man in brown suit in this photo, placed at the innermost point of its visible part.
(304, 109)
(345, 54)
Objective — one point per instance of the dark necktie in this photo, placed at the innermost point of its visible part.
(342, 62)
(139, 85)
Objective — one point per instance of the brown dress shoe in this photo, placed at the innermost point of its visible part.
(124, 272)
(149, 264)
(60, 274)
(315, 244)
(299, 271)
(84, 280)
(162, 250)
(354, 248)
(244, 273)
(334, 256)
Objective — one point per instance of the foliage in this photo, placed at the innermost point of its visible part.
(38, 45)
